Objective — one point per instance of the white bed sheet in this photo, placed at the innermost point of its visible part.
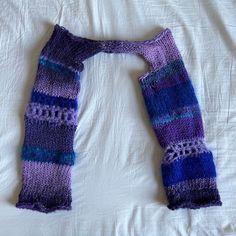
(117, 188)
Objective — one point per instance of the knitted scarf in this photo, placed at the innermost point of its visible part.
(188, 169)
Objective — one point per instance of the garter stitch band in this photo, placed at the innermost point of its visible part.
(188, 169)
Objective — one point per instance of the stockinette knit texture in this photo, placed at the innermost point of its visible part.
(188, 170)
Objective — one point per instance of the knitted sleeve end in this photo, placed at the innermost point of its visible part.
(190, 180)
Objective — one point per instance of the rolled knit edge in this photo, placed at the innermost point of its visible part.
(37, 206)
(45, 187)
(195, 199)
(193, 194)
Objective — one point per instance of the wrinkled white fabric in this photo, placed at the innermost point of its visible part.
(116, 182)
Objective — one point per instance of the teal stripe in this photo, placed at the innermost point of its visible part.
(30, 153)
(58, 68)
(174, 67)
(169, 118)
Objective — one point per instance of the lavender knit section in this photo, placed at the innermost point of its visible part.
(52, 114)
(56, 84)
(52, 193)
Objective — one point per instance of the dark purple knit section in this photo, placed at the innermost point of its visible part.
(194, 199)
(186, 128)
(52, 137)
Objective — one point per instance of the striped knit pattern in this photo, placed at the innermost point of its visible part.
(50, 124)
(188, 170)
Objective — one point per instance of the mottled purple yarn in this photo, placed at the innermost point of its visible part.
(188, 169)
(51, 119)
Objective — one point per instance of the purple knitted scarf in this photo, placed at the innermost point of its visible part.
(188, 170)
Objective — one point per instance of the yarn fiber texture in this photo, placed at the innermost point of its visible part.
(188, 169)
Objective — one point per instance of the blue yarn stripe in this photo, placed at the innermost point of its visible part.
(169, 118)
(58, 68)
(171, 98)
(201, 166)
(42, 98)
(174, 67)
(38, 154)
